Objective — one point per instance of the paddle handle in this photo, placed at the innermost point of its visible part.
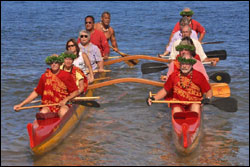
(39, 106)
(86, 98)
(98, 71)
(76, 98)
(171, 101)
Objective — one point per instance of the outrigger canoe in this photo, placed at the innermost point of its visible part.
(46, 134)
(186, 130)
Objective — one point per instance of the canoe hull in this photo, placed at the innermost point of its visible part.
(187, 131)
(46, 134)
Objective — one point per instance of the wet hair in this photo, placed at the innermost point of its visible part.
(106, 13)
(76, 45)
(89, 16)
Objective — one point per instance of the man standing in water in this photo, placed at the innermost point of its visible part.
(107, 29)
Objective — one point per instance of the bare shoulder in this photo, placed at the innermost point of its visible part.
(111, 30)
(97, 26)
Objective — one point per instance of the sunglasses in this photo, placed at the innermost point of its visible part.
(70, 46)
(85, 36)
(88, 22)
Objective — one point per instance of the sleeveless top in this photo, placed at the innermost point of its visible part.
(79, 62)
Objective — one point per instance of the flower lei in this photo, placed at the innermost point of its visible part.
(51, 59)
(187, 47)
(64, 55)
(186, 61)
(189, 13)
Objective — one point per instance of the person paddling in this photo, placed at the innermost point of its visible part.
(78, 75)
(55, 86)
(178, 35)
(108, 31)
(186, 46)
(185, 84)
(195, 25)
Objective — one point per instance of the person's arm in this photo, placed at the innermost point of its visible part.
(159, 95)
(202, 35)
(100, 66)
(31, 97)
(113, 40)
(71, 96)
(105, 45)
(88, 64)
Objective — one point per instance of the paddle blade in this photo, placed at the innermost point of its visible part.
(88, 103)
(147, 68)
(220, 77)
(220, 89)
(228, 104)
(221, 54)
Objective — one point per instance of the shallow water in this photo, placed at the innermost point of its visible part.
(124, 131)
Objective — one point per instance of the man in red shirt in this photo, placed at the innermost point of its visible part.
(55, 86)
(97, 37)
(185, 84)
(195, 25)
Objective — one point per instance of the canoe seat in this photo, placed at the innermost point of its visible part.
(186, 117)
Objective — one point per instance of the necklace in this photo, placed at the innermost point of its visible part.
(104, 29)
(181, 81)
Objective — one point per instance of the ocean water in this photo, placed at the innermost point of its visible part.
(124, 131)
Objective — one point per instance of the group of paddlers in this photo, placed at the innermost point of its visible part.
(72, 70)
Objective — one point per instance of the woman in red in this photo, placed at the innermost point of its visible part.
(55, 86)
(185, 84)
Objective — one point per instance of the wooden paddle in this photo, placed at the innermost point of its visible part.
(220, 89)
(77, 100)
(130, 63)
(228, 104)
(109, 62)
(221, 54)
(212, 42)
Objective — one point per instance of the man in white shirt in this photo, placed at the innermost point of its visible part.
(178, 35)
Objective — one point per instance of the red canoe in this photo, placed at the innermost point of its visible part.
(186, 130)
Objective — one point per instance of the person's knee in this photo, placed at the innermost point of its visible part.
(195, 107)
(63, 111)
(177, 109)
(44, 110)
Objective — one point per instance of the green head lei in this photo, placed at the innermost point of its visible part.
(186, 47)
(68, 55)
(187, 13)
(186, 61)
(51, 59)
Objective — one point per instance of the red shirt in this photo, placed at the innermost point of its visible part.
(64, 76)
(195, 25)
(199, 85)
